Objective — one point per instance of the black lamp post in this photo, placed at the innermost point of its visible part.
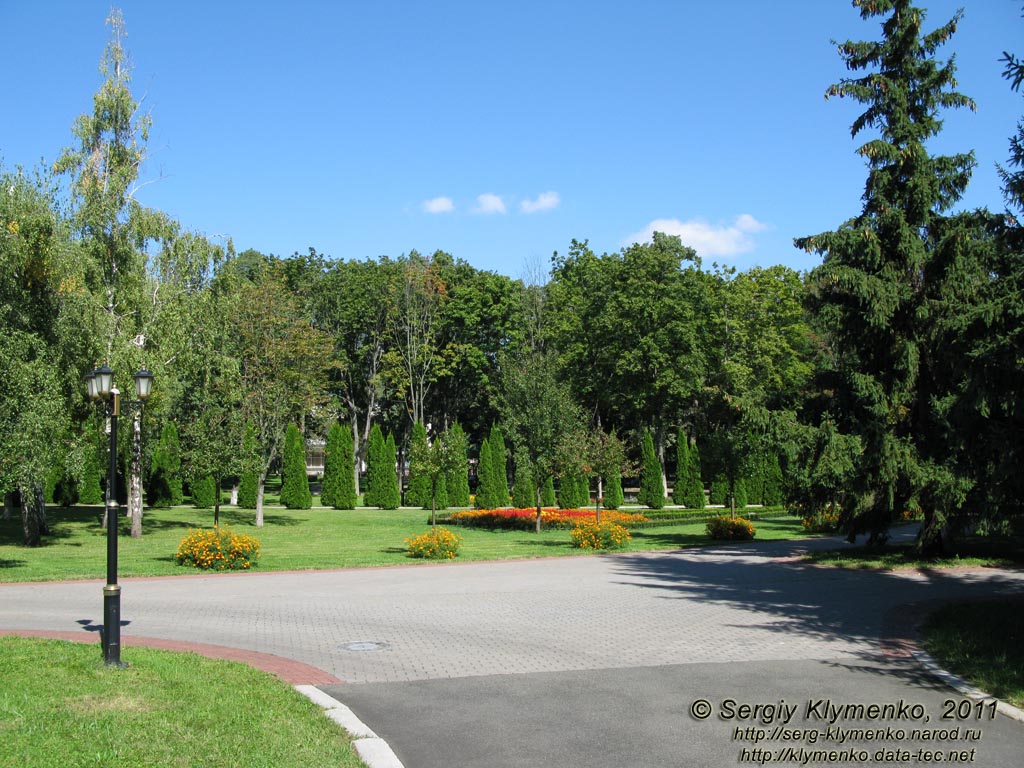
(100, 386)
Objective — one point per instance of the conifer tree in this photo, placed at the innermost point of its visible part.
(457, 479)
(338, 489)
(391, 493)
(573, 492)
(376, 472)
(295, 492)
(417, 494)
(164, 487)
(499, 468)
(485, 496)
(682, 467)
(547, 493)
(873, 290)
(773, 491)
(613, 496)
(204, 492)
(719, 492)
(739, 492)
(89, 491)
(693, 496)
(652, 485)
(249, 481)
(524, 489)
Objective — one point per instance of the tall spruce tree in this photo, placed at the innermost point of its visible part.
(871, 292)
(457, 479)
(295, 492)
(652, 484)
(338, 487)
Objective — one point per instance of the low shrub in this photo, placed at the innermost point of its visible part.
(591, 535)
(730, 528)
(218, 549)
(435, 544)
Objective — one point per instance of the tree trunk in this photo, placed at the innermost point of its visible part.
(538, 508)
(33, 515)
(8, 506)
(135, 478)
(356, 442)
(216, 504)
(259, 499)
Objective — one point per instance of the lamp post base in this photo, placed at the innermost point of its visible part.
(112, 625)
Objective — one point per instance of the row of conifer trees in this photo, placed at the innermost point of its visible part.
(759, 482)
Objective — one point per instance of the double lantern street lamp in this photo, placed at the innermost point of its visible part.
(100, 385)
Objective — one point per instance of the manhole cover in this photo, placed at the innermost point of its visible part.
(365, 645)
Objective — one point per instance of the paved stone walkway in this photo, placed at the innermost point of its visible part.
(539, 617)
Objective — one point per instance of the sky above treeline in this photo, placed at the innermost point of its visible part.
(496, 131)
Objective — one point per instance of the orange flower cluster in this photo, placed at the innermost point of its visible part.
(523, 519)
(603, 535)
(435, 544)
(218, 549)
(736, 528)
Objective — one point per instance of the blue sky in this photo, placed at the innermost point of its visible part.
(497, 131)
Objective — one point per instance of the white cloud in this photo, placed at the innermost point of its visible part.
(544, 202)
(439, 205)
(489, 203)
(708, 239)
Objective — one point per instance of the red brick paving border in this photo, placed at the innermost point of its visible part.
(288, 670)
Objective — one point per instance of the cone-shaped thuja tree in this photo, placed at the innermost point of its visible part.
(485, 496)
(872, 290)
(295, 492)
(338, 489)
(376, 472)
(652, 485)
(418, 493)
(499, 468)
(457, 479)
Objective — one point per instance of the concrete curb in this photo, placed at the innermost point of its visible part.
(373, 750)
(962, 686)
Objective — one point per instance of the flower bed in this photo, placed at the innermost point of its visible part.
(524, 519)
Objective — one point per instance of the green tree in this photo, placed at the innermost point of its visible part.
(165, 470)
(573, 490)
(682, 468)
(418, 493)
(249, 481)
(547, 492)
(693, 486)
(338, 488)
(204, 492)
(524, 489)
(499, 467)
(486, 498)
(613, 496)
(719, 491)
(457, 480)
(539, 414)
(739, 492)
(376, 468)
(434, 462)
(652, 485)
(391, 494)
(773, 481)
(295, 492)
(872, 290)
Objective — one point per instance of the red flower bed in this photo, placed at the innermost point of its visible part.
(524, 519)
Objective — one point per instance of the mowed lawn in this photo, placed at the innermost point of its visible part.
(319, 538)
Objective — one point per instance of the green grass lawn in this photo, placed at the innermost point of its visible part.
(983, 643)
(992, 552)
(60, 706)
(297, 540)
